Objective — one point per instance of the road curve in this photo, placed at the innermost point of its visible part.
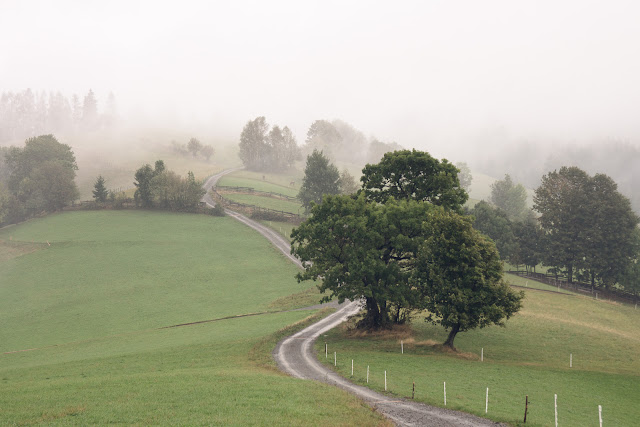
(295, 356)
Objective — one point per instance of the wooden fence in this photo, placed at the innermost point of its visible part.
(257, 212)
(581, 287)
(249, 190)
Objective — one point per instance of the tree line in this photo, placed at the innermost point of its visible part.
(26, 113)
(266, 148)
(581, 227)
(403, 244)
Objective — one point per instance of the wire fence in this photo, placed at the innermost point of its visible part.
(257, 212)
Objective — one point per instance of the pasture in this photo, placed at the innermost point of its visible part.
(531, 356)
(87, 304)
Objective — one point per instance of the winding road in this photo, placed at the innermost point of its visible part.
(295, 356)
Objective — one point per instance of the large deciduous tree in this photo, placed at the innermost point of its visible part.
(459, 275)
(495, 224)
(361, 250)
(262, 149)
(589, 225)
(414, 175)
(320, 177)
(42, 174)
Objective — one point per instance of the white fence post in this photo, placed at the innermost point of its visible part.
(385, 380)
(335, 359)
(600, 414)
(367, 374)
(555, 407)
(445, 393)
(486, 402)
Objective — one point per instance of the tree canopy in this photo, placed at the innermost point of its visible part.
(588, 224)
(100, 192)
(511, 198)
(414, 175)
(42, 175)
(262, 149)
(320, 177)
(459, 274)
(360, 250)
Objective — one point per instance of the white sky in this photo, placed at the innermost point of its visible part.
(422, 73)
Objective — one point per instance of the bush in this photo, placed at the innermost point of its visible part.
(217, 210)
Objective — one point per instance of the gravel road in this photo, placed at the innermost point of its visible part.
(294, 354)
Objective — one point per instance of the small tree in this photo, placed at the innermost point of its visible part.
(194, 146)
(320, 177)
(207, 151)
(459, 273)
(100, 192)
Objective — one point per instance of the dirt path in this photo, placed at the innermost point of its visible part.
(295, 355)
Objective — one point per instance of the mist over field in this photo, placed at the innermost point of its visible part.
(509, 87)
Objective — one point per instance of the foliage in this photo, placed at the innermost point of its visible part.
(207, 151)
(494, 223)
(464, 175)
(323, 136)
(194, 146)
(511, 198)
(164, 189)
(348, 184)
(459, 274)
(589, 225)
(360, 250)
(42, 175)
(143, 177)
(377, 149)
(320, 177)
(530, 244)
(100, 192)
(414, 175)
(262, 149)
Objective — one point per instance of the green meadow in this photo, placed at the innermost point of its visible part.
(530, 356)
(90, 304)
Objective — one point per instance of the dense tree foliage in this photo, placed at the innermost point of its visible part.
(459, 274)
(320, 177)
(511, 198)
(164, 189)
(494, 223)
(194, 146)
(588, 224)
(262, 149)
(360, 250)
(41, 177)
(414, 175)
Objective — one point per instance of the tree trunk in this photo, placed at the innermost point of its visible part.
(452, 336)
(570, 273)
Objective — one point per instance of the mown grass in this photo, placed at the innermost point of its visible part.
(234, 181)
(265, 202)
(528, 357)
(90, 310)
(280, 181)
(532, 284)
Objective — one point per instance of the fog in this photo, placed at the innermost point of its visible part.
(460, 79)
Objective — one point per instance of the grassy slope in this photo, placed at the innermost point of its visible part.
(91, 304)
(528, 357)
(266, 202)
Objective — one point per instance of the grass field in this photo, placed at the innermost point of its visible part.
(85, 297)
(233, 181)
(528, 357)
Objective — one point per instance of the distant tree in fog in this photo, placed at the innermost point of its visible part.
(320, 177)
(262, 149)
(377, 149)
(90, 110)
(207, 151)
(100, 192)
(253, 142)
(348, 184)
(194, 146)
(323, 136)
(464, 175)
(509, 197)
(143, 177)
